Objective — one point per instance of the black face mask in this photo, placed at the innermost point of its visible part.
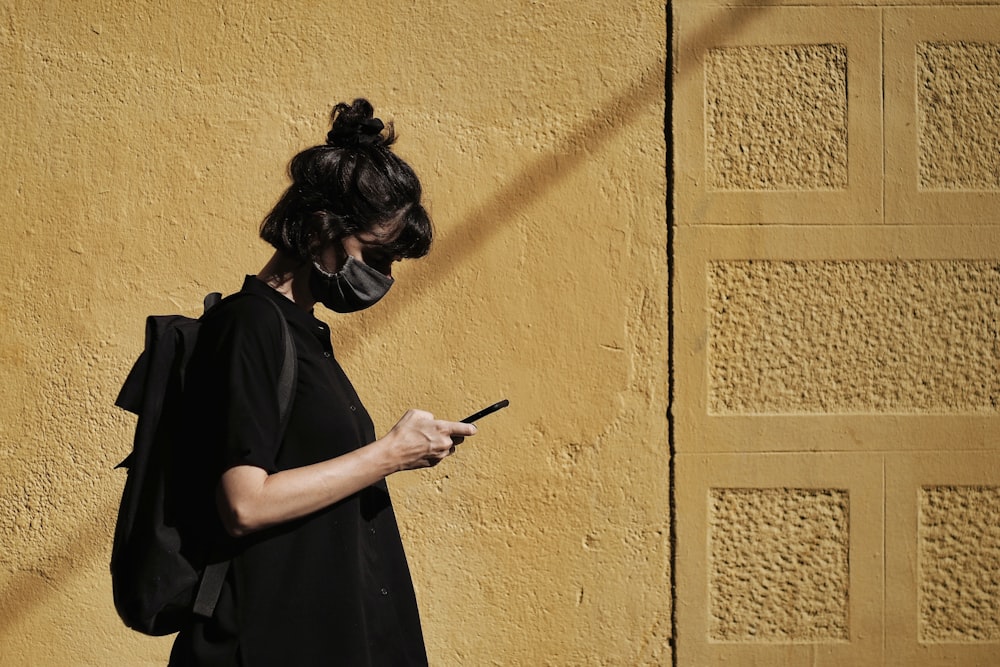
(355, 287)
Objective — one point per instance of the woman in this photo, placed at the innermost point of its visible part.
(318, 575)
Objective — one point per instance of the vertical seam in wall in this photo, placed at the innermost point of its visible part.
(881, 19)
(669, 219)
(884, 547)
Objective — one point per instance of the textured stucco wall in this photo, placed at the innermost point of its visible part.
(837, 328)
(787, 108)
(854, 336)
(142, 143)
(959, 564)
(957, 112)
(784, 578)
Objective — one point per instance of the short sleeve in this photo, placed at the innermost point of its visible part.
(231, 388)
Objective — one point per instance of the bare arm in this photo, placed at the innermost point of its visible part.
(250, 499)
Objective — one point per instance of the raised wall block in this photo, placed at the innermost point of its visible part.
(854, 336)
(943, 557)
(958, 98)
(776, 117)
(781, 559)
(959, 564)
(941, 126)
(779, 565)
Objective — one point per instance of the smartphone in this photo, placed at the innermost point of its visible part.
(486, 411)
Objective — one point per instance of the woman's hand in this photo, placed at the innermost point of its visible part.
(419, 441)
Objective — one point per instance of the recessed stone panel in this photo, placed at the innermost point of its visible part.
(854, 336)
(958, 111)
(959, 564)
(941, 124)
(776, 117)
(942, 556)
(841, 312)
(779, 559)
(778, 565)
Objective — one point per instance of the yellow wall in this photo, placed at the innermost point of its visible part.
(142, 143)
(837, 357)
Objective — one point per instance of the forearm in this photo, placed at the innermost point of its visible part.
(250, 499)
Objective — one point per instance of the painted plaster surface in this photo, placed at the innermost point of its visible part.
(142, 144)
(777, 117)
(854, 336)
(836, 343)
(941, 561)
(959, 113)
(959, 564)
(779, 565)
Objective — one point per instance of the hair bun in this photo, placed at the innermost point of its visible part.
(355, 126)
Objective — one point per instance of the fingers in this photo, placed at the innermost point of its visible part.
(459, 428)
(459, 431)
(448, 427)
(439, 447)
(454, 432)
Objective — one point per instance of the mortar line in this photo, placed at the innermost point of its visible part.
(884, 546)
(669, 219)
(881, 21)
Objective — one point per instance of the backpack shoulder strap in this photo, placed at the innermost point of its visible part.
(214, 575)
(288, 377)
(288, 374)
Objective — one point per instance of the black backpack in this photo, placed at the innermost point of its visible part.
(156, 588)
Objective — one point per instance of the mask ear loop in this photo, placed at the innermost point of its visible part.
(349, 260)
(340, 255)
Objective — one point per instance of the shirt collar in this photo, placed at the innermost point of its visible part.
(288, 308)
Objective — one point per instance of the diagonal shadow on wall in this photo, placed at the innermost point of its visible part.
(492, 216)
(91, 541)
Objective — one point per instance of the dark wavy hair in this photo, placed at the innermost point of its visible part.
(352, 183)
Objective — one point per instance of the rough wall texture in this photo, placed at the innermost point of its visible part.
(837, 332)
(776, 117)
(854, 336)
(959, 564)
(142, 144)
(780, 579)
(959, 114)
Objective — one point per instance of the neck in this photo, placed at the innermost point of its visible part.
(290, 277)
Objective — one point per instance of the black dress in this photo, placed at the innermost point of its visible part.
(332, 588)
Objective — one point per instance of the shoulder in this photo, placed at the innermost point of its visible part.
(244, 306)
(244, 316)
